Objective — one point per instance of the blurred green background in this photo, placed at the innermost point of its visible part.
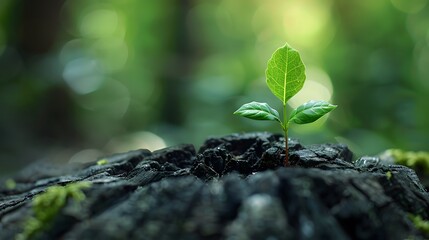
(81, 79)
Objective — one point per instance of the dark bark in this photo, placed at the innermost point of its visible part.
(234, 187)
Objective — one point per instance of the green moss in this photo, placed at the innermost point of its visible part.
(102, 162)
(10, 184)
(48, 204)
(389, 175)
(414, 160)
(420, 224)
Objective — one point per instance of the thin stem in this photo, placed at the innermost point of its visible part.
(285, 129)
(286, 160)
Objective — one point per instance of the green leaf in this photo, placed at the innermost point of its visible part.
(310, 112)
(285, 73)
(258, 111)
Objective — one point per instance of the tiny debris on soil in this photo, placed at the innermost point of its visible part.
(233, 187)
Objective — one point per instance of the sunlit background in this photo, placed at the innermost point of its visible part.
(81, 79)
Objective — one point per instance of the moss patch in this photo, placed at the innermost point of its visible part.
(102, 162)
(48, 204)
(10, 184)
(415, 160)
(420, 224)
(389, 175)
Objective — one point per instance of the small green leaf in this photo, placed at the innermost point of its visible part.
(285, 73)
(258, 111)
(310, 112)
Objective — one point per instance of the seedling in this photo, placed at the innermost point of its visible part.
(285, 76)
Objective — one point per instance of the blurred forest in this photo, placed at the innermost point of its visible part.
(81, 79)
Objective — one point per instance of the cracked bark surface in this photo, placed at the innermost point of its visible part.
(233, 187)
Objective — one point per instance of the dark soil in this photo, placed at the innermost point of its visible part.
(234, 187)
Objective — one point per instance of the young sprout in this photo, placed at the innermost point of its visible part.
(285, 76)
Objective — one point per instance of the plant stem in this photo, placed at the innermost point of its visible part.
(285, 129)
(286, 160)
